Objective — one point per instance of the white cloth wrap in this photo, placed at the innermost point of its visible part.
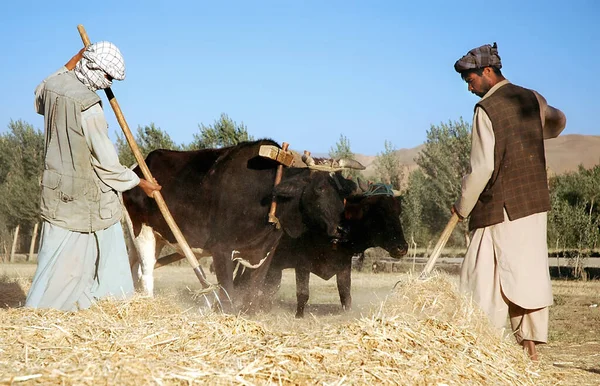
(100, 59)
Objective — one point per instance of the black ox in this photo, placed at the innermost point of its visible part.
(220, 198)
(372, 219)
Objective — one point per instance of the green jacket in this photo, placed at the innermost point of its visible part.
(73, 197)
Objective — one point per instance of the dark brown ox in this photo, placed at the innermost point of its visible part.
(220, 198)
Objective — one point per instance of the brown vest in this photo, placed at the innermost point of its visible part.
(519, 181)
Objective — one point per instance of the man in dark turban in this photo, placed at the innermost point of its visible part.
(480, 57)
(506, 196)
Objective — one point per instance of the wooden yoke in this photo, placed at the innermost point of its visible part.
(282, 156)
(148, 176)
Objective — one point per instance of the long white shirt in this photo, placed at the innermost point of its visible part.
(517, 249)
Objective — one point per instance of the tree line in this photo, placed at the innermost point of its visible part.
(427, 192)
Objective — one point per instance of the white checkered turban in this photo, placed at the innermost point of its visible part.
(100, 59)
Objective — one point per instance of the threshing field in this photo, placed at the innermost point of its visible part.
(420, 333)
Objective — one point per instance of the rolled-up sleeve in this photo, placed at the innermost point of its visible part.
(482, 163)
(554, 121)
(104, 158)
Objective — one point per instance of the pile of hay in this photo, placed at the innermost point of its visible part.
(423, 334)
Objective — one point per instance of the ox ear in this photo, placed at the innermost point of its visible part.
(289, 188)
(346, 186)
(288, 193)
(362, 185)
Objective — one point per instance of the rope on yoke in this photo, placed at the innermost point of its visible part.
(379, 189)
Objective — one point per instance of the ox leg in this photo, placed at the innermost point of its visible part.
(224, 271)
(344, 284)
(143, 270)
(255, 297)
(272, 285)
(302, 283)
(360, 261)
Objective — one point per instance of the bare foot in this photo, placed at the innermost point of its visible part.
(529, 345)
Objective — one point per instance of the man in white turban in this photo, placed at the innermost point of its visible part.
(82, 255)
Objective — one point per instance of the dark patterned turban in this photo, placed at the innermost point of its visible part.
(480, 57)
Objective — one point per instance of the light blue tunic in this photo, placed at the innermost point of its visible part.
(75, 269)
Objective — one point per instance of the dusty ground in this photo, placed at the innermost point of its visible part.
(574, 319)
(574, 340)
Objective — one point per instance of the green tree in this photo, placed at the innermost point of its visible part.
(148, 138)
(590, 188)
(223, 132)
(414, 209)
(574, 220)
(21, 163)
(342, 150)
(444, 160)
(388, 167)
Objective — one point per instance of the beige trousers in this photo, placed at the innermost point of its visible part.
(525, 324)
(506, 272)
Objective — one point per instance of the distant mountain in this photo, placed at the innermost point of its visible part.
(563, 154)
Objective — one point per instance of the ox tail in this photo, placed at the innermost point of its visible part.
(245, 263)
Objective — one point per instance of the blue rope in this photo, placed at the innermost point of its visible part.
(379, 189)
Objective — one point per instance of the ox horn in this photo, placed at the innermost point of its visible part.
(347, 163)
(362, 185)
(307, 159)
(331, 165)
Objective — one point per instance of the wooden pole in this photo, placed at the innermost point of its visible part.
(32, 244)
(148, 176)
(14, 245)
(278, 175)
(437, 250)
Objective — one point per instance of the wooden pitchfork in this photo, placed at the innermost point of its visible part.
(191, 258)
(437, 250)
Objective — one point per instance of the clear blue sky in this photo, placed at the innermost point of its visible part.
(305, 72)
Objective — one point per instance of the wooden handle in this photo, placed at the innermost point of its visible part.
(148, 176)
(279, 173)
(278, 176)
(437, 250)
(84, 35)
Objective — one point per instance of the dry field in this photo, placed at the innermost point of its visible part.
(421, 333)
